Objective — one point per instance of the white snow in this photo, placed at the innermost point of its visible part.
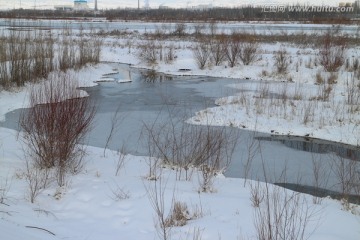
(87, 207)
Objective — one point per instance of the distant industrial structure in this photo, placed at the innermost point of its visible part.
(345, 4)
(64, 7)
(79, 5)
(350, 4)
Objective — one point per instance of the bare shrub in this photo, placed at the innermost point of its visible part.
(43, 52)
(58, 119)
(170, 54)
(29, 56)
(202, 52)
(218, 50)
(4, 189)
(207, 177)
(18, 55)
(263, 89)
(180, 29)
(352, 92)
(121, 160)
(248, 52)
(36, 179)
(282, 215)
(319, 79)
(184, 146)
(331, 54)
(4, 71)
(89, 49)
(156, 195)
(118, 193)
(169, 212)
(149, 52)
(309, 112)
(213, 28)
(298, 92)
(256, 194)
(199, 29)
(66, 52)
(25, 57)
(324, 91)
(160, 31)
(281, 60)
(346, 171)
(232, 50)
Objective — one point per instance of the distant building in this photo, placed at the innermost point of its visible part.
(202, 7)
(164, 7)
(347, 4)
(80, 5)
(64, 8)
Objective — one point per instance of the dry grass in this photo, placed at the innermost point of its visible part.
(179, 215)
(281, 60)
(332, 51)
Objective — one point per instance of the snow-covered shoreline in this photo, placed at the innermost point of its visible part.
(89, 207)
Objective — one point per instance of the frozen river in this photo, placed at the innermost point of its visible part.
(148, 100)
(142, 27)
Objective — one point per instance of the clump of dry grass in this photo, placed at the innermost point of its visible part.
(179, 215)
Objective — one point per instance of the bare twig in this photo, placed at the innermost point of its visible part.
(114, 126)
(43, 229)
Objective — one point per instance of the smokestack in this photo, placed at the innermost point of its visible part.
(138, 4)
(96, 8)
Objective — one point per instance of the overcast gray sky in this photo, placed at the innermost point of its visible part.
(104, 4)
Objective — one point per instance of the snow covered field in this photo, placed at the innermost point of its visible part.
(103, 203)
(90, 206)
